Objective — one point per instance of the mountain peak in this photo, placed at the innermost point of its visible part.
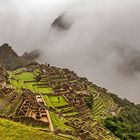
(7, 49)
(10, 60)
(5, 45)
(62, 22)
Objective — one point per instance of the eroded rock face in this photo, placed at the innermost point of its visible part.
(62, 23)
(8, 57)
(6, 52)
(10, 60)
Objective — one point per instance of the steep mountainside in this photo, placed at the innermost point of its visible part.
(10, 60)
(62, 23)
(50, 99)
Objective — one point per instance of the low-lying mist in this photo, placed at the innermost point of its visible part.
(101, 42)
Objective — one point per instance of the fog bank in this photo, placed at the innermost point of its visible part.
(101, 43)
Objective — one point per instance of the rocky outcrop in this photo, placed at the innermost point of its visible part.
(62, 23)
(10, 59)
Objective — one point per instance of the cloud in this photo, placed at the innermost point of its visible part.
(102, 43)
(24, 24)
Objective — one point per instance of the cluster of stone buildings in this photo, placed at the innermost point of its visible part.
(5, 90)
(66, 83)
(33, 106)
(63, 82)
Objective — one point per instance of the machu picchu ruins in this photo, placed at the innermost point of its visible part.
(47, 94)
(56, 100)
(69, 70)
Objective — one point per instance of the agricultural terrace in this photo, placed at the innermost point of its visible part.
(21, 79)
(64, 95)
(26, 80)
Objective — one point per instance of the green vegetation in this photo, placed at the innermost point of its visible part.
(129, 116)
(124, 120)
(121, 129)
(27, 80)
(102, 103)
(89, 101)
(21, 79)
(44, 90)
(58, 101)
(126, 123)
(18, 79)
(129, 111)
(15, 131)
(104, 113)
(47, 101)
(58, 123)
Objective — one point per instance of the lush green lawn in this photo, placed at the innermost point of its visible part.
(47, 101)
(25, 76)
(55, 101)
(14, 83)
(45, 90)
(20, 81)
(15, 131)
(58, 101)
(58, 122)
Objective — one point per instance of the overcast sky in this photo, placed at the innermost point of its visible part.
(102, 43)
